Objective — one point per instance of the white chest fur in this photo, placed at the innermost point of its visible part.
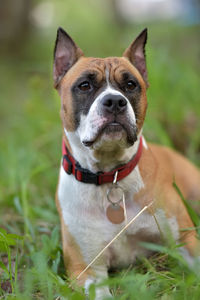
(83, 207)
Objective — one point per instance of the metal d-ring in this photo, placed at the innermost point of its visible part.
(115, 178)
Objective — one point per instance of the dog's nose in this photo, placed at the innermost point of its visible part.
(114, 104)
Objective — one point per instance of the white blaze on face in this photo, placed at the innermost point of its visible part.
(90, 124)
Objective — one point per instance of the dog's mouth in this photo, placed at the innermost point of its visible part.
(113, 127)
(115, 130)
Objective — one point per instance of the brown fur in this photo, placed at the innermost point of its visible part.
(160, 167)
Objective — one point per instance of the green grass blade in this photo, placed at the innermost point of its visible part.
(192, 213)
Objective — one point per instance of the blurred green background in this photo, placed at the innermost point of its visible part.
(30, 128)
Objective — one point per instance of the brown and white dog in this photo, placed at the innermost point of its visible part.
(103, 107)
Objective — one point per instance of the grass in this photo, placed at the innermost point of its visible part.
(31, 265)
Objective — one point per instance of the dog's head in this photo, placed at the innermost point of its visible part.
(103, 99)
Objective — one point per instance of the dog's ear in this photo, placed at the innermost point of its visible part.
(66, 53)
(136, 54)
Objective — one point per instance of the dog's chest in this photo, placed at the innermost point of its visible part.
(83, 208)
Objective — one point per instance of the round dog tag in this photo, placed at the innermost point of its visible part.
(115, 213)
(115, 194)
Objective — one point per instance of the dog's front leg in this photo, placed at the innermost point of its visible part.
(75, 265)
(74, 262)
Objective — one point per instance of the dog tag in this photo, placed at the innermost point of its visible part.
(115, 213)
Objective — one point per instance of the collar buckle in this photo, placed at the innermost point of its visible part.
(86, 176)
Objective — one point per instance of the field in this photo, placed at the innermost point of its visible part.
(31, 265)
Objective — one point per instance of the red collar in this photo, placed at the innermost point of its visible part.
(71, 166)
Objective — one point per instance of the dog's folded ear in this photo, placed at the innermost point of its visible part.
(66, 53)
(136, 54)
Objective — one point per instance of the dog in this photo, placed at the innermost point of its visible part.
(108, 171)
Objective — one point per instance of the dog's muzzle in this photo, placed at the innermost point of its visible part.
(113, 116)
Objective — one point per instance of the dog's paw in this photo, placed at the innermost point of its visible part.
(101, 292)
(193, 262)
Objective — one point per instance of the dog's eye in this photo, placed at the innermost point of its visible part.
(84, 86)
(130, 85)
